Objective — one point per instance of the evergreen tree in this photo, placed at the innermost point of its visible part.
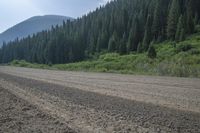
(130, 41)
(122, 46)
(157, 20)
(173, 17)
(182, 35)
(180, 28)
(112, 43)
(196, 19)
(140, 48)
(190, 14)
(147, 34)
(134, 36)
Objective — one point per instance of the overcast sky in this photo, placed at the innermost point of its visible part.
(15, 11)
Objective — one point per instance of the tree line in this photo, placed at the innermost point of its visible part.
(121, 26)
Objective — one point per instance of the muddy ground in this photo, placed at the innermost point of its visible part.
(34, 103)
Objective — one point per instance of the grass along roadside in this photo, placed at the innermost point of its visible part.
(173, 59)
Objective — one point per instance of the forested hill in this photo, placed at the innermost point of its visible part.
(31, 26)
(121, 26)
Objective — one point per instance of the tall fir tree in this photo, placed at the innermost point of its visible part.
(122, 45)
(179, 32)
(112, 44)
(190, 21)
(147, 34)
(157, 20)
(173, 17)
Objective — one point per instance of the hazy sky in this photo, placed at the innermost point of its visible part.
(15, 11)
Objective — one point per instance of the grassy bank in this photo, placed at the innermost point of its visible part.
(173, 59)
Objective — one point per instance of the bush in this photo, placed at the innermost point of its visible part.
(194, 51)
(109, 57)
(152, 52)
(197, 28)
(184, 47)
(15, 62)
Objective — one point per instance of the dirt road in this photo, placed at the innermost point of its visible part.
(94, 102)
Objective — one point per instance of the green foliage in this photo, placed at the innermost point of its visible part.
(197, 28)
(124, 27)
(23, 63)
(173, 17)
(152, 52)
(112, 43)
(147, 34)
(181, 65)
(183, 47)
(194, 51)
(190, 16)
(122, 45)
(140, 48)
(180, 32)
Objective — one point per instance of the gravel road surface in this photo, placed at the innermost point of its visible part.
(60, 101)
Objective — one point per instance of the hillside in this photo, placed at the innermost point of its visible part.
(181, 60)
(31, 26)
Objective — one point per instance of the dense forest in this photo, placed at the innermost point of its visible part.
(121, 26)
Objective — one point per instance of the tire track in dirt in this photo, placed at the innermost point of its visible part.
(152, 117)
(18, 116)
(177, 93)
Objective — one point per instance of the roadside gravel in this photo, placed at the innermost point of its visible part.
(97, 112)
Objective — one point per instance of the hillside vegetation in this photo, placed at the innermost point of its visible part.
(173, 59)
(158, 37)
(122, 26)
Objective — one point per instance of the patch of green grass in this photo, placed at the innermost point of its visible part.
(23, 63)
(173, 59)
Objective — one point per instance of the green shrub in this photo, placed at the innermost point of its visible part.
(109, 57)
(183, 47)
(194, 51)
(15, 62)
(197, 28)
(152, 52)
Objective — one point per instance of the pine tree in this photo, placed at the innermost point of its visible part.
(196, 19)
(112, 44)
(182, 35)
(179, 31)
(122, 46)
(157, 22)
(190, 21)
(173, 17)
(147, 34)
(130, 41)
(140, 48)
(134, 36)
(91, 44)
(71, 55)
(99, 43)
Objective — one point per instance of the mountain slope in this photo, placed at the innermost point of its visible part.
(31, 26)
(122, 26)
(180, 61)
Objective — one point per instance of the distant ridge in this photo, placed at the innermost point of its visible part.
(31, 26)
